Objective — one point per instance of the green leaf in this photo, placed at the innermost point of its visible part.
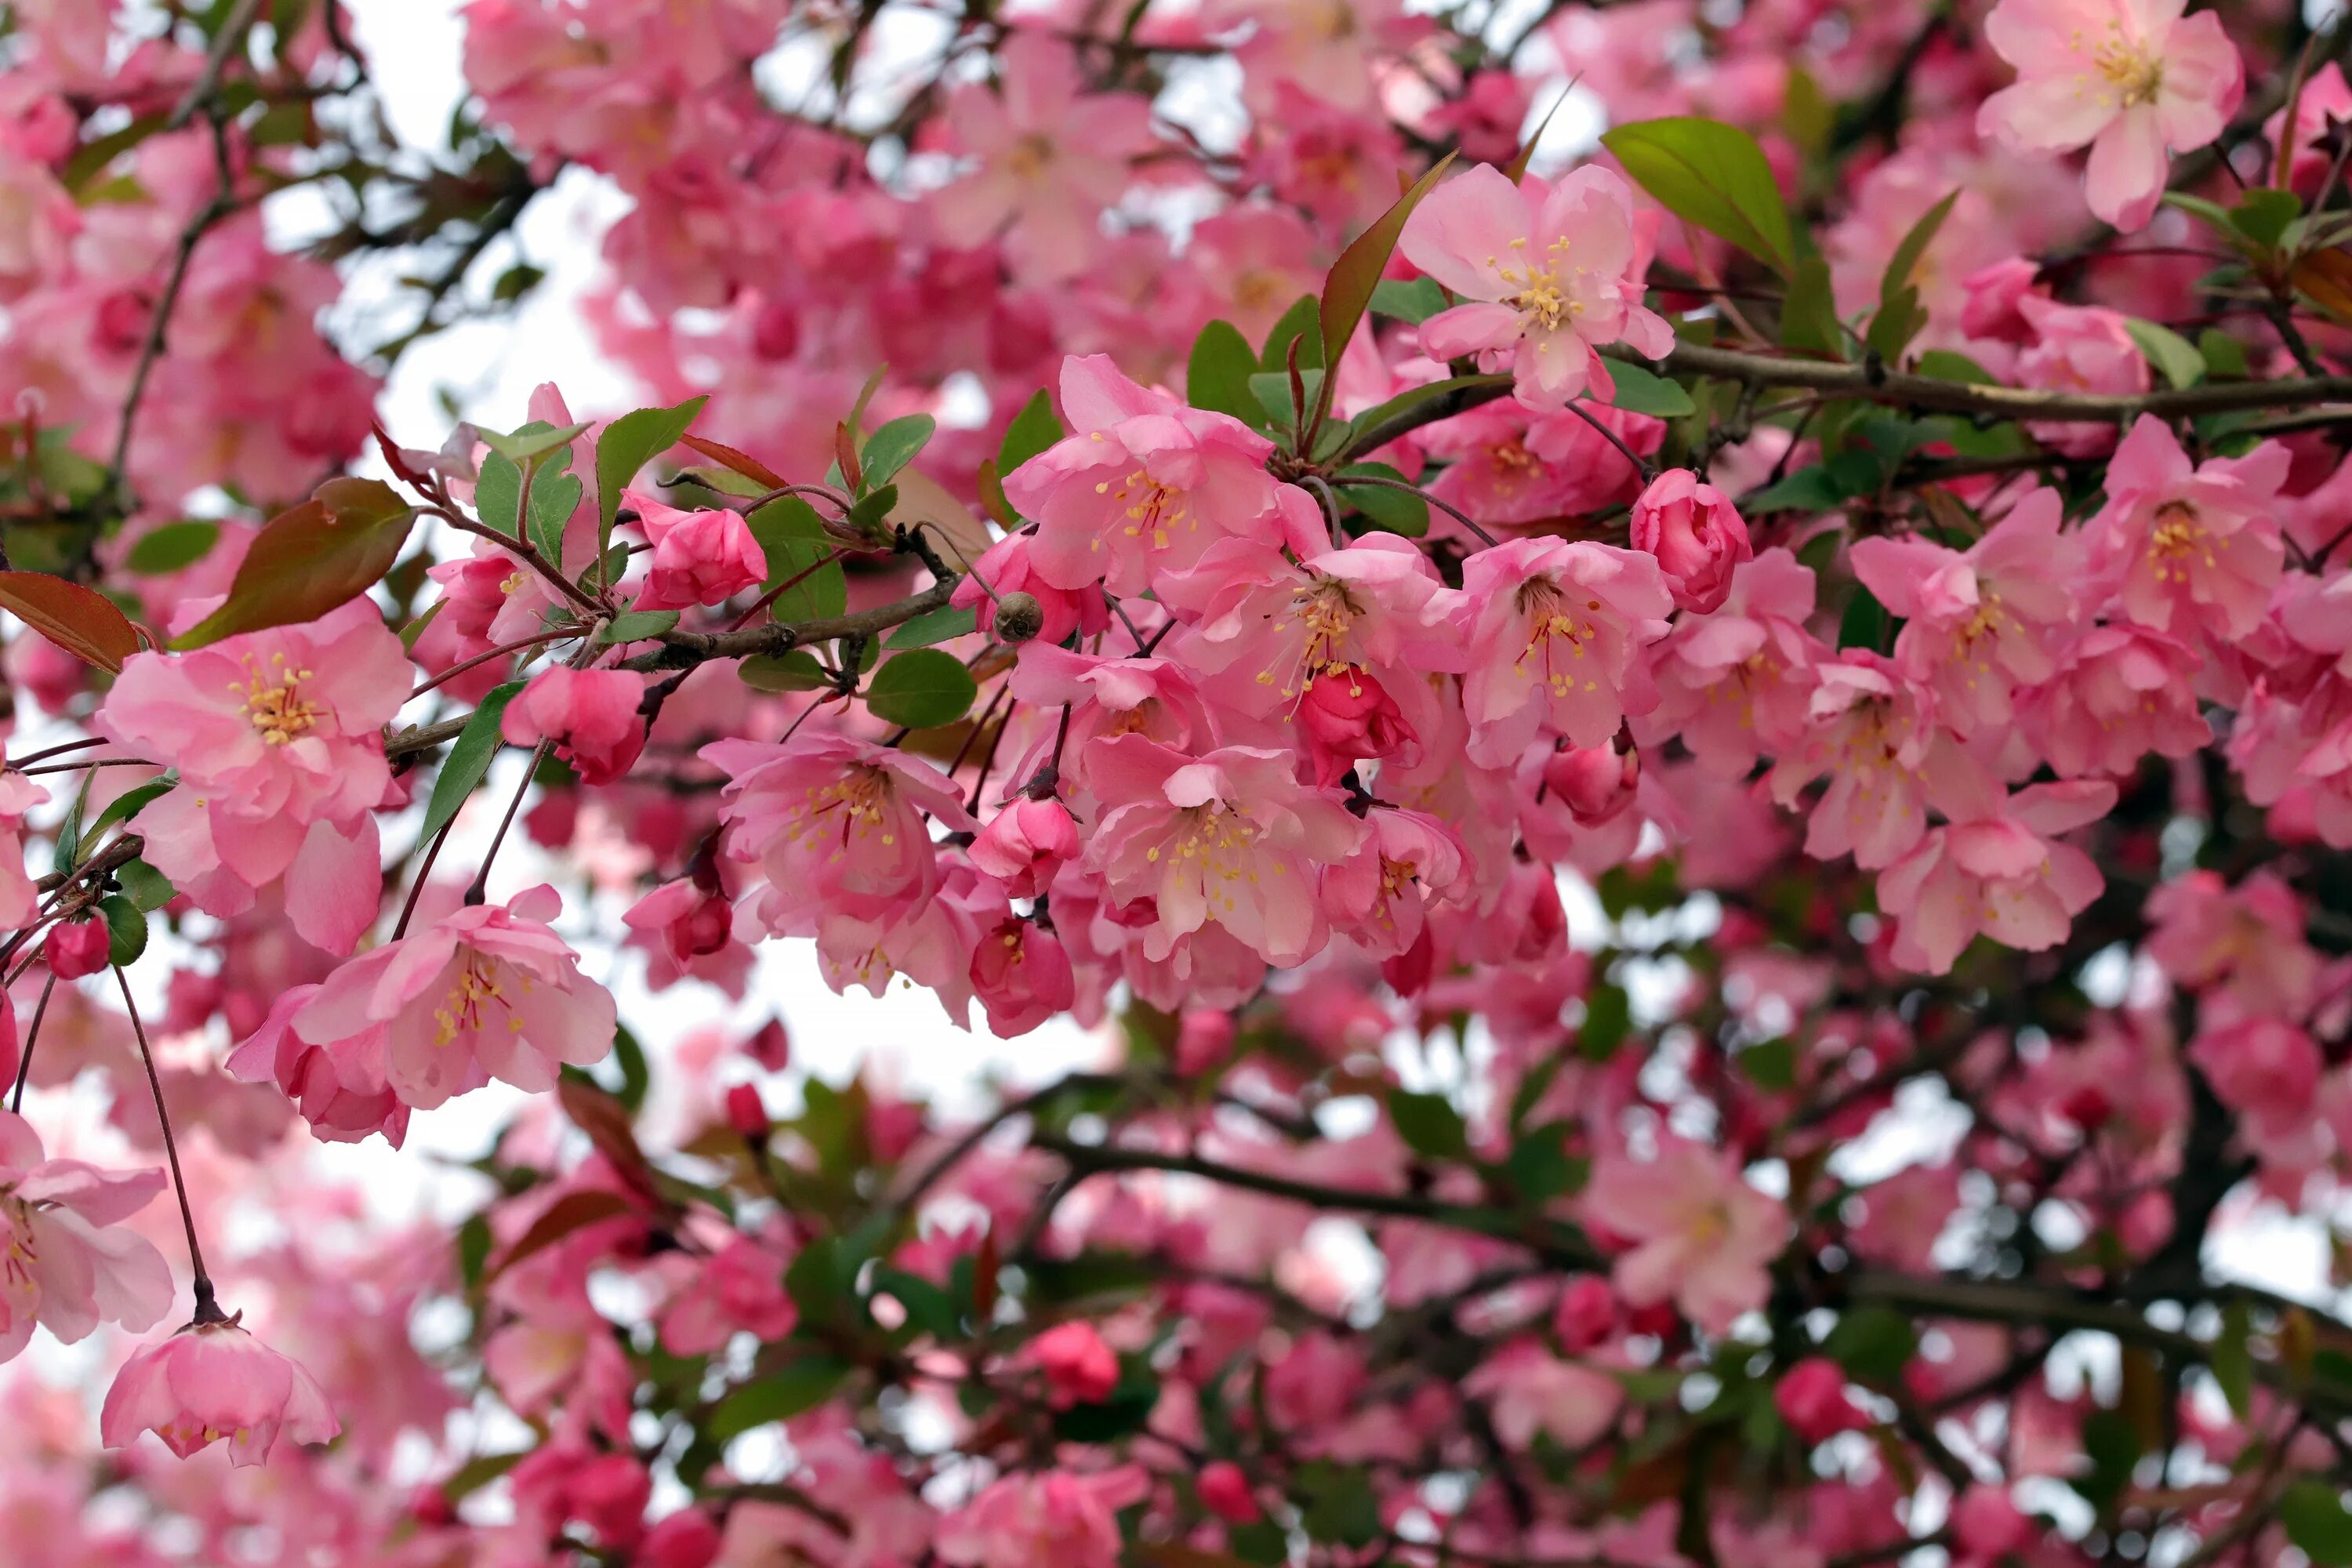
(1644, 391)
(121, 808)
(2232, 1364)
(938, 627)
(893, 447)
(2224, 355)
(1300, 322)
(2174, 356)
(173, 546)
(470, 759)
(794, 540)
(636, 626)
(2263, 213)
(532, 442)
(1874, 1344)
(1905, 259)
(921, 691)
(1771, 1065)
(315, 558)
(1608, 1019)
(1866, 622)
(1272, 389)
(1810, 488)
(144, 886)
(1808, 318)
(797, 1389)
(1414, 302)
(126, 927)
(1713, 175)
(554, 497)
(1413, 397)
(1217, 377)
(628, 444)
(1429, 1124)
(797, 671)
(2313, 1514)
(1948, 364)
(1390, 511)
(498, 495)
(1348, 287)
(1033, 430)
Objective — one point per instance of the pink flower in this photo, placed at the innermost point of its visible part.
(2266, 1070)
(1554, 632)
(1144, 486)
(1696, 535)
(592, 715)
(76, 947)
(1998, 870)
(698, 557)
(278, 739)
(19, 900)
(1025, 845)
(1811, 1397)
(1022, 975)
(1737, 682)
(2120, 692)
(1381, 895)
(1529, 1390)
(1587, 1313)
(687, 1538)
(1226, 1492)
(1348, 717)
(689, 929)
(1006, 567)
(1554, 272)
(2129, 78)
(1057, 1517)
(213, 1381)
(1978, 625)
(738, 1290)
(2191, 548)
(66, 1259)
(339, 1088)
(1702, 1237)
(1230, 839)
(840, 825)
(1050, 159)
(1874, 733)
(2246, 942)
(2078, 349)
(1595, 783)
(1080, 1368)
(487, 992)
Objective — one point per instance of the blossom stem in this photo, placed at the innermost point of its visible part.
(57, 751)
(32, 1039)
(516, 646)
(423, 871)
(476, 893)
(1456, 512)
(204, 1285)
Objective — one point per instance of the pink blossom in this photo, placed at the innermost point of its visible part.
(1553, 633)
(1024, 845)
(687, 1538)
(2120, 692)
(2130, 79)
(1144, 486)
(689, 930)
(1381, 895)
(698, 557)
(1999, 871)
(1348, 717)
(1022, 975)
(213, 1381)
(1811, 1397)
(591, 715)
(1595, 783)
(740, 1289)
(1702, 1237)
(1006, 567)
(2264, 1068)
(2190, 547)
(18, 898)
(67, 1261)
(339, 1088)
(2078, 349)
(76, 947)
(1696, 535)
(1056, 1516)
(1587, 1313)
(1873, 732)
(1226, 1492)
(1529, 1391)
(487, 992)
(1080, 1368)
(2245, 943)
(1738, 682)
(1553, 272)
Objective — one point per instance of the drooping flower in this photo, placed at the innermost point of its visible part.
(340, 1088)
(1025, 844)
(1811, 1397)
(1022, 975)
(1553, 631)
(1875, 732)
(1381, 895)
(2119, 692)
(1078, 1366)
(66, 1259)
(1998, 869)
(1737, 683)
(1552, 272)
(1702, 1237)
(213, 1381)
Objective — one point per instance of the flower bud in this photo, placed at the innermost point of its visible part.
(1226, 1492)
(1019, 617)
(77, 948)
(1811, 1397)
(1587, 1313)
(1595, 783)
(1025, 844)
(1696, 535)
(746, 1112)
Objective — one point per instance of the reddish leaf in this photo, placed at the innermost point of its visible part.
(306, 561)
(1517, 167)
(743, 463)
(2326, 278)
(844, 452)
(1347, 288)
(992, 495)
(606, 1122)
(574, 1211)
(82, 621)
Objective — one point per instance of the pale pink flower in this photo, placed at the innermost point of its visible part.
(1551, 272)
(2245, 943)
(1979, 623)
(1595, 783)
(1529, 1391)
(1025, 845)
(2078, 349)
(18, 898)
(1253, 261)
(340, 1088)
(2131, 79)
(698, 557)
(1151, 696)
(278, 739)
(1737, 683)
(2266, 1070)
(2190, 547)
(1873, 731)
(1060, 1517)
(591, 715)
(1696, 535)
(487, 991)
(2325, 102)
(1230, 839)
(1144, 486)
(2119, 692)
(1999, 870)
(210, 1382)
(67, 1260)
(738, 1290)
(840, 825)
(1050, 159)
(1554, 635)
(1702, 1237)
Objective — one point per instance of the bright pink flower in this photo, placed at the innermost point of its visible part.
(1978, 625)
(1347, 717)
(1022, 975)
(738, 1290)
(1994, 295)
(2120, 692)
(1025, 845)
(1381, 895)
(698, 557)
(747, 1112)
(2131, 79)
(592, 715)
(1873, 731)
(1058, 1517)
(2246, 943)
(1737, 683)
(1587, 1313)
(1226, 1492)
(76, 947)
(2078, 349)
(1989, 1527)
(689, 929)
(1811, 1397)
(1154, 698)
(1144, 486)
(1230, 839)
(210, 1382)
(2324, 102)
(1696, 535)
(1529, 1391)
(485, 992)
(2265, 1069)
(687, 1538)
(1702, 1237)
(278, 739)
(339, 1088)
(1050, 159)
(1999, 870)
(2190, 547)
(1554, 634)
(1595, 783)
(1552, 272)
(1006, 567)
(19, 900)
(1080, 1368)
(565, 1480)
(66, 1259)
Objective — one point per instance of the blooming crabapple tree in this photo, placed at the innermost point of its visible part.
(1694, 772)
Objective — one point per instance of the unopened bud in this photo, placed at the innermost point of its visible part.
(746, 1112)
(1019, 618)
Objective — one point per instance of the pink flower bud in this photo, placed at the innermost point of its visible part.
(1203, 1038)
(1587, 1313)
(746, 1111)
(1595, 783)
(590, 714)
(1025, 844)
(1345, 717)
(1986, 1526)
(1226, 1492)
(1695, 533)
(1811, 1397)
(1989, 310)
(1080, 1368)
(76, 948)
(688, 1539)
(1023, 976)
(700, 557)
(770, 1046)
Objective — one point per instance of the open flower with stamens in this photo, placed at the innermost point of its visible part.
(1553, 630)
(1875, 734)
(2190, 547)
(488, 991)
(213, 1382)
(278, 739)
(1551, 272)
(66, 1259)
(1381, 895)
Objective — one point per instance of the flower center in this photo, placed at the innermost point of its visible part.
(861, 798)
(1325, 614)
(274, 703)
(2130, 74)
(1031, 157)
(1150, 505)
(1538, 295)
(2178, 534)
(475, 988)
(1551, 619)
